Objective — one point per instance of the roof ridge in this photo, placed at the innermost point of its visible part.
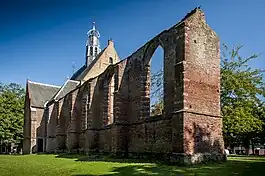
(61, 88)
(48, 85)
(58, 92)
(73, 81)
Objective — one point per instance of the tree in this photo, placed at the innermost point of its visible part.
(157, 93)
(242, 89)
(157, 108)
(11, 113)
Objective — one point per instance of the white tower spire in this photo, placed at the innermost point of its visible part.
(92, 44)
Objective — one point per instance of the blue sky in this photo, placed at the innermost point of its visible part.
(40, 39)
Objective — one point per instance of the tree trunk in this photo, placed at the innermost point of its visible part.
(246, 145)
(253, 148)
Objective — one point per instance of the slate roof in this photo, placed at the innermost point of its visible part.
(78, 72)
(40, 93)
(68, 86)
(84, 70)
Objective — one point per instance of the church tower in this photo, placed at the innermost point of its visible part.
(92, 45)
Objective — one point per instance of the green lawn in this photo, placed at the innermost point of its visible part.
(64, 165)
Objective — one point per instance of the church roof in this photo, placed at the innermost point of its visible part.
(84, 70)
(68, 86)
(78, 72)
(40, 93)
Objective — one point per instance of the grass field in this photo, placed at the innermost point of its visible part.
(50, 165)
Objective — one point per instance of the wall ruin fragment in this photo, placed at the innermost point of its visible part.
(111, 113)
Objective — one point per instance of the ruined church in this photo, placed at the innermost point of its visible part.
(105, 106)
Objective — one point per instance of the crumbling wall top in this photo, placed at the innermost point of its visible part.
(197, 10)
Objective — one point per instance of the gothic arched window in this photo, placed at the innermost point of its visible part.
(111, 60)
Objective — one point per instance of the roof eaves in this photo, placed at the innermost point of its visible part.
(48, 85)
(74, 81)
(54, 98)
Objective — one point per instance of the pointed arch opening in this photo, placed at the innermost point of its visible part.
(157, 82)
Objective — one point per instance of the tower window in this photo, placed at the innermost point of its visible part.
(111, 60)
(91, 51)
(96, 51)
(91, 40)
(86, 50)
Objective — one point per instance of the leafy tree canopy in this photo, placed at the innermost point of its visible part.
(242, 93)
(11, 113)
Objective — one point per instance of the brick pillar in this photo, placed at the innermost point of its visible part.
(120, 108)
(111, 101)
(83, 119)
(84, 110)
(72, 136)
(105, 103)
(61, 130)
(88, 106)
(91, 135)
(33, 145)
(176, 111)
(145, 92)
(196, 121)
(46, 118)
(202, 90)
(121, 94)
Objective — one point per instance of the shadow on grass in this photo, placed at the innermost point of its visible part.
(139, 170)
(107, 158)
(242, 166)
(231, 168)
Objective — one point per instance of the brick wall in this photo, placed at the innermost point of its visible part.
(37, 125)
(111, 113)
(52, 121)
(153, 135)
(202, 122)
(73, 129)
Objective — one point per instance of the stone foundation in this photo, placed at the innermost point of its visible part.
(165, 158)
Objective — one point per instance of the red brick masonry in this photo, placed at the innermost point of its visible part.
(111, 113)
